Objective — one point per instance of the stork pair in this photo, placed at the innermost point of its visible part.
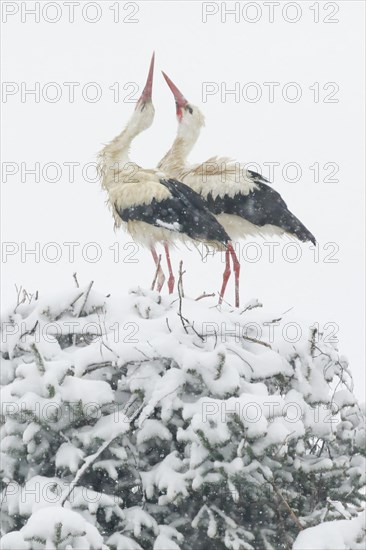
(216, 202)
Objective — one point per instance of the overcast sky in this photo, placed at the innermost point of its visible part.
(297, 113)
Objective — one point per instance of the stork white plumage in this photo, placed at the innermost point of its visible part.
(151, 206)
(241, 199)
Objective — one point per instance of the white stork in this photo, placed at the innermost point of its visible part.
(241, 199)
(152, 207)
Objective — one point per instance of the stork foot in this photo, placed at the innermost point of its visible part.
(171, 279)
(171, 282)
(226, 275)
(159, 277)
(160, 280)
(236, 266)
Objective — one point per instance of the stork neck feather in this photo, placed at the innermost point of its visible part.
(115, 156)
(118, 149)
(176, 158)
(189, 128)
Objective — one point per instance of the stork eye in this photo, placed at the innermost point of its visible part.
(189, 109)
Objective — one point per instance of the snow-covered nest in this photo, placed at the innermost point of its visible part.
(148, 421)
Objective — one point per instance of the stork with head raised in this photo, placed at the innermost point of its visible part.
(152, 207)
(242, 200)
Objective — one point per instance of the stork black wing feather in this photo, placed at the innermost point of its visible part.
(183, 212)
(202, 221)
(257, 177)
(261, 206)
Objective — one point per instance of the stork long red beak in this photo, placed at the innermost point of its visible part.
(147, 91)
(180, 100)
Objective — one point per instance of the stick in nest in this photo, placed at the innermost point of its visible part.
(181, 296)
(184, 320)
(204, 295)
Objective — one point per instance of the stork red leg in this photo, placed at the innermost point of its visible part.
(226, 275)
(160, 277)
(171, 279)
(236, 265)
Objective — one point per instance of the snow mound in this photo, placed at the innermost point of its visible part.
(345, 534)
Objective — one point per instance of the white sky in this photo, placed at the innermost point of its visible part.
(192, 53)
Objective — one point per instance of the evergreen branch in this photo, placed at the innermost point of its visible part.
(89, 461)
(39, 359)
(95, 366)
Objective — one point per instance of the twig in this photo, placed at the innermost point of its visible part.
(284, 442)
(180, 280)
(287, 310)
(142, 352)
(29, 332)
(167, 324)
(108, 348)
(195, 331)
(204, 295)
(185, 322)
(69, 306)
(242, 358)
(314, 446)
(287, 506)
(86, 298)
(26, 296)
(136, 413)
(181, 296)
(313, 334)
(76, 280)
(129, 403)
(19, 301)
(251, 306)
(255, 341)
(321, 449)
(95, 366)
